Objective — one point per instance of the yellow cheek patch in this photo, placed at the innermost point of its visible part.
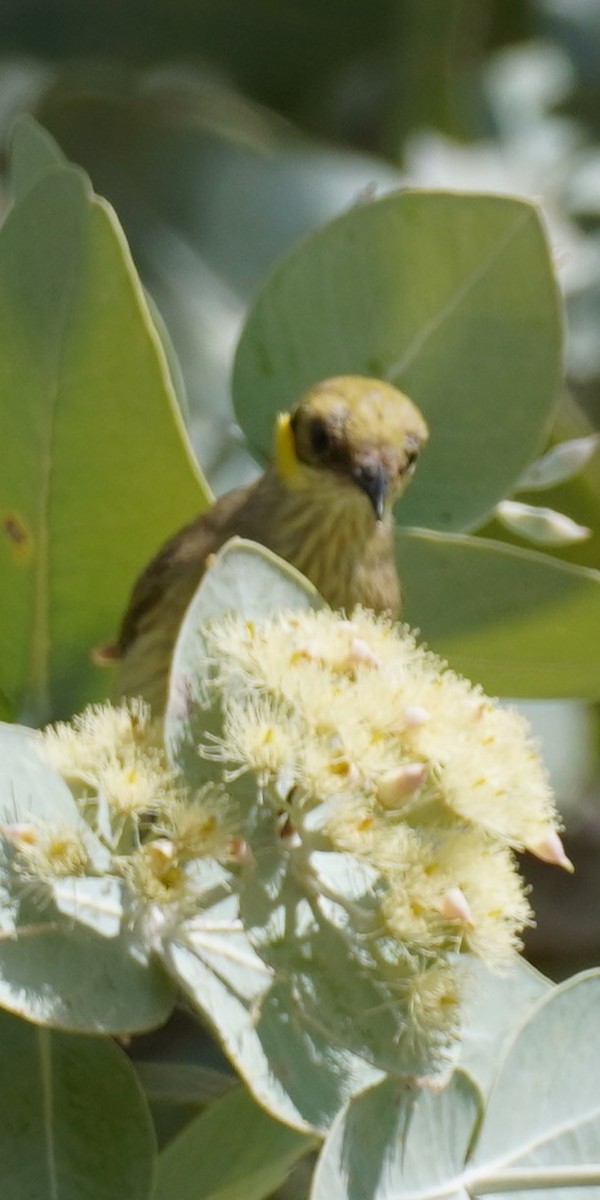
(288, 466)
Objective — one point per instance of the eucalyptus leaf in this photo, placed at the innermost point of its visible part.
(516, 621)
(183, 1083)
(400, 1141)
(540, 1128)
(29, 788)
(73, 1120)
(450, 297)
(96, 902)
(58, 972)
(233, 1151)
(293, 1071)
(494, 1006)
(80, 509)
(543, 1112)
(33, 154)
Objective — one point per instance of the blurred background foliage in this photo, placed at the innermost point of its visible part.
(222, 131)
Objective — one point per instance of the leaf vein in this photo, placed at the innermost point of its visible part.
(433, 323)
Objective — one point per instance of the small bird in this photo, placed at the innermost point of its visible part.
(342, 457)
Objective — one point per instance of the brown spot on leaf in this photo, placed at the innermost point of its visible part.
(105, 654)
(18, 535)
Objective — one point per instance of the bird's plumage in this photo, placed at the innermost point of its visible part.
(342, 457)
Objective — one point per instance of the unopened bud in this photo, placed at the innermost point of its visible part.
(20, 834)
(401, 785)
(361, 652)
(415, 716)
(160, 852)
(239, 850)
(456, 907)
(551, 850)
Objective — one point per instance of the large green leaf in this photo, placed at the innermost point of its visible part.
(74, 1124)
(519, 622)
(89, 427)
(449, 296)
(233, 1151)
(34, 153)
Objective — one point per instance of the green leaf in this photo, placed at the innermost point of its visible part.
(233, 1151)
(33, 154)
(519, 622)
(452, 298)
(88, 426)
(73, 1121)
(543, 1113)
(400, 1140)
(67, 955)
(179, 1083)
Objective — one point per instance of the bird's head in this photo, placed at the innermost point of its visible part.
(359, 433)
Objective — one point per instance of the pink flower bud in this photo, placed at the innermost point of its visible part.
(401, 785)
(551, 850)
(456, 907)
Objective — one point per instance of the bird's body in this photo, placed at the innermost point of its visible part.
(325, 505)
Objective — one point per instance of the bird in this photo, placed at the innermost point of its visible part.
(342, 457)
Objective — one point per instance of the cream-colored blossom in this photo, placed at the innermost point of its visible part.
(433, 1005)
(101, 732)
(111, 751)
(199, 827)
(47, 851)
(155, 874)
(137, 785)
(258, 735)
(482, 870)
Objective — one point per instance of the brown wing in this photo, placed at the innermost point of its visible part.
(162, 593)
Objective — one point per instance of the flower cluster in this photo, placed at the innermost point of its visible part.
(154, 828)
(365, 744)
(359, 804)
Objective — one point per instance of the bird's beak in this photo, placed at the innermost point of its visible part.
(374, 482)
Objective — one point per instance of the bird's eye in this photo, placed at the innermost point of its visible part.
(412, 452)
(320, 439)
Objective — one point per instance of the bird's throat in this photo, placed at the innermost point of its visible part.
(328, 532)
